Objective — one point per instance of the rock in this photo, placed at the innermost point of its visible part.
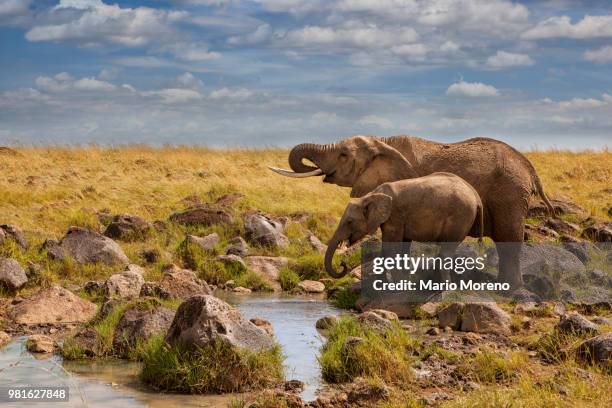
(575, 323)
(385, 314)
(580, 249)
(263, 324)
(539, 259)
(8, 231)
(94, 287)
(316, 243)
(435, 398)
(326, 322)
(599, 232)
(53, 305)
(606, 321)
(86, 246)
(5, 338)
(427, 310)
(234, 262)
(183, 283)
(362, 390)
(356, 272)
(538, 231)
(33, 270)
(523, 295)
(241, 290)
(433, 331)
(150, 255)
(492, 258)
(38, 343)
(237, 246)
(484, 317)
(374, 321)
(204, 215)
(126, 284)
(561, 226)
(108, 307)
(128, 228)
(264, 231)
(268, 267)
(310, 286)
(598, 276)
(293, 386)
(567, 295)
(138, 324)
(350, 343)
(12, 274)
(89, 342)
(206, 243)
(153, 289)
(450, 316)
(537, 208)
(203, 319)
(542, 286)
(597, 350)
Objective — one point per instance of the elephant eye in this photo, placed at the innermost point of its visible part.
(343, 155)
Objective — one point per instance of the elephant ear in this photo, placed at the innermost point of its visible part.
(376, 209)
(383, 165)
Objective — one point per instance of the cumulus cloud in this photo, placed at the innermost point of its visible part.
(562, 27)
(375, 120)
(12, 8)
(505, 59)
(100, 23)
(173, 96)
(581, 103)
(234, 94)
(64, 82)
(601, 55)
(369, 36)
(188, 80)
(192, 52)
(471, 90)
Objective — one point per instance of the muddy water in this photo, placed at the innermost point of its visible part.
(115, 383)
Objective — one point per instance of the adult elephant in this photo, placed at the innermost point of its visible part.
(503, 177)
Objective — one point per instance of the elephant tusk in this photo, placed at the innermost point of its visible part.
(289, 173)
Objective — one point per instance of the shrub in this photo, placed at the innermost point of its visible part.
(489, 367)
(215, 368)
(288, 278)
(386, 356)
(344, 298)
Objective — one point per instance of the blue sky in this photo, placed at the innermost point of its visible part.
(280, 72)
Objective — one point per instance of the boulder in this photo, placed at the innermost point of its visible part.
(204, 215)
(575, 323)
(234, 262)
(540, 232)
(539, 259)
(8, 231)
(153, 289)
(126, 284)
(89, 342)
(326, 322)
(268, 267)
(597, 350)
(316, 243)
(52, 305)
(183, 283)
(241, 290)
(206, 243)
(5, 338)
(484, 318)
(38, 343)
(562, 226)
(138, 324)
(607, 321)
(151, 255)
(385, 314)
(450, 316)
(580, 249)
(310, 286)
(237, 246)
(374, 321)
(265, 231)
(86, 246)
(537, 208)
(264, 324)
(12, 275)
(599, 232)
(128, 228)
(204, 319)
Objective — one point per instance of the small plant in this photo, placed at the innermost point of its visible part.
(345, 298)
(489, 367)
(288, 278)
(217, 368)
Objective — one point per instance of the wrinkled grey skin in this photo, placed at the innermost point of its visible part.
(440, 207)
(502, 176)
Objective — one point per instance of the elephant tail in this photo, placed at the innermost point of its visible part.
(480, 217)
(540, 190)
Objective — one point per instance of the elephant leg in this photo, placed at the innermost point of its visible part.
(508, 230)
(447, 250)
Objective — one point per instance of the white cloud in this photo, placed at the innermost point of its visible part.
(410, 51)
(92, 84)
(11, 8)
(188, 80)
(79, 4)
(600, 55)
(325, 117)
(99, 23)
(234, 94)
(562, 27)
(173, 96)
(64, 82)
(369, 36)
(261, 34)
(581, 103)
(375, 120)
(471, 90)
(192, 52)
(505, 59)
(449, 46)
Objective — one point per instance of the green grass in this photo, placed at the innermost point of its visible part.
(385, 356)
(288, 278)
(217, 368)
(490, 367)
(344, 298)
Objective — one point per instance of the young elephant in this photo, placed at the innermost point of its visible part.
(440, 207)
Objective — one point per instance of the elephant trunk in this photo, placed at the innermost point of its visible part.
(312, 152)
(329, 255)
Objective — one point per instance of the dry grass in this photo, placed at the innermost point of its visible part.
(44, 190)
